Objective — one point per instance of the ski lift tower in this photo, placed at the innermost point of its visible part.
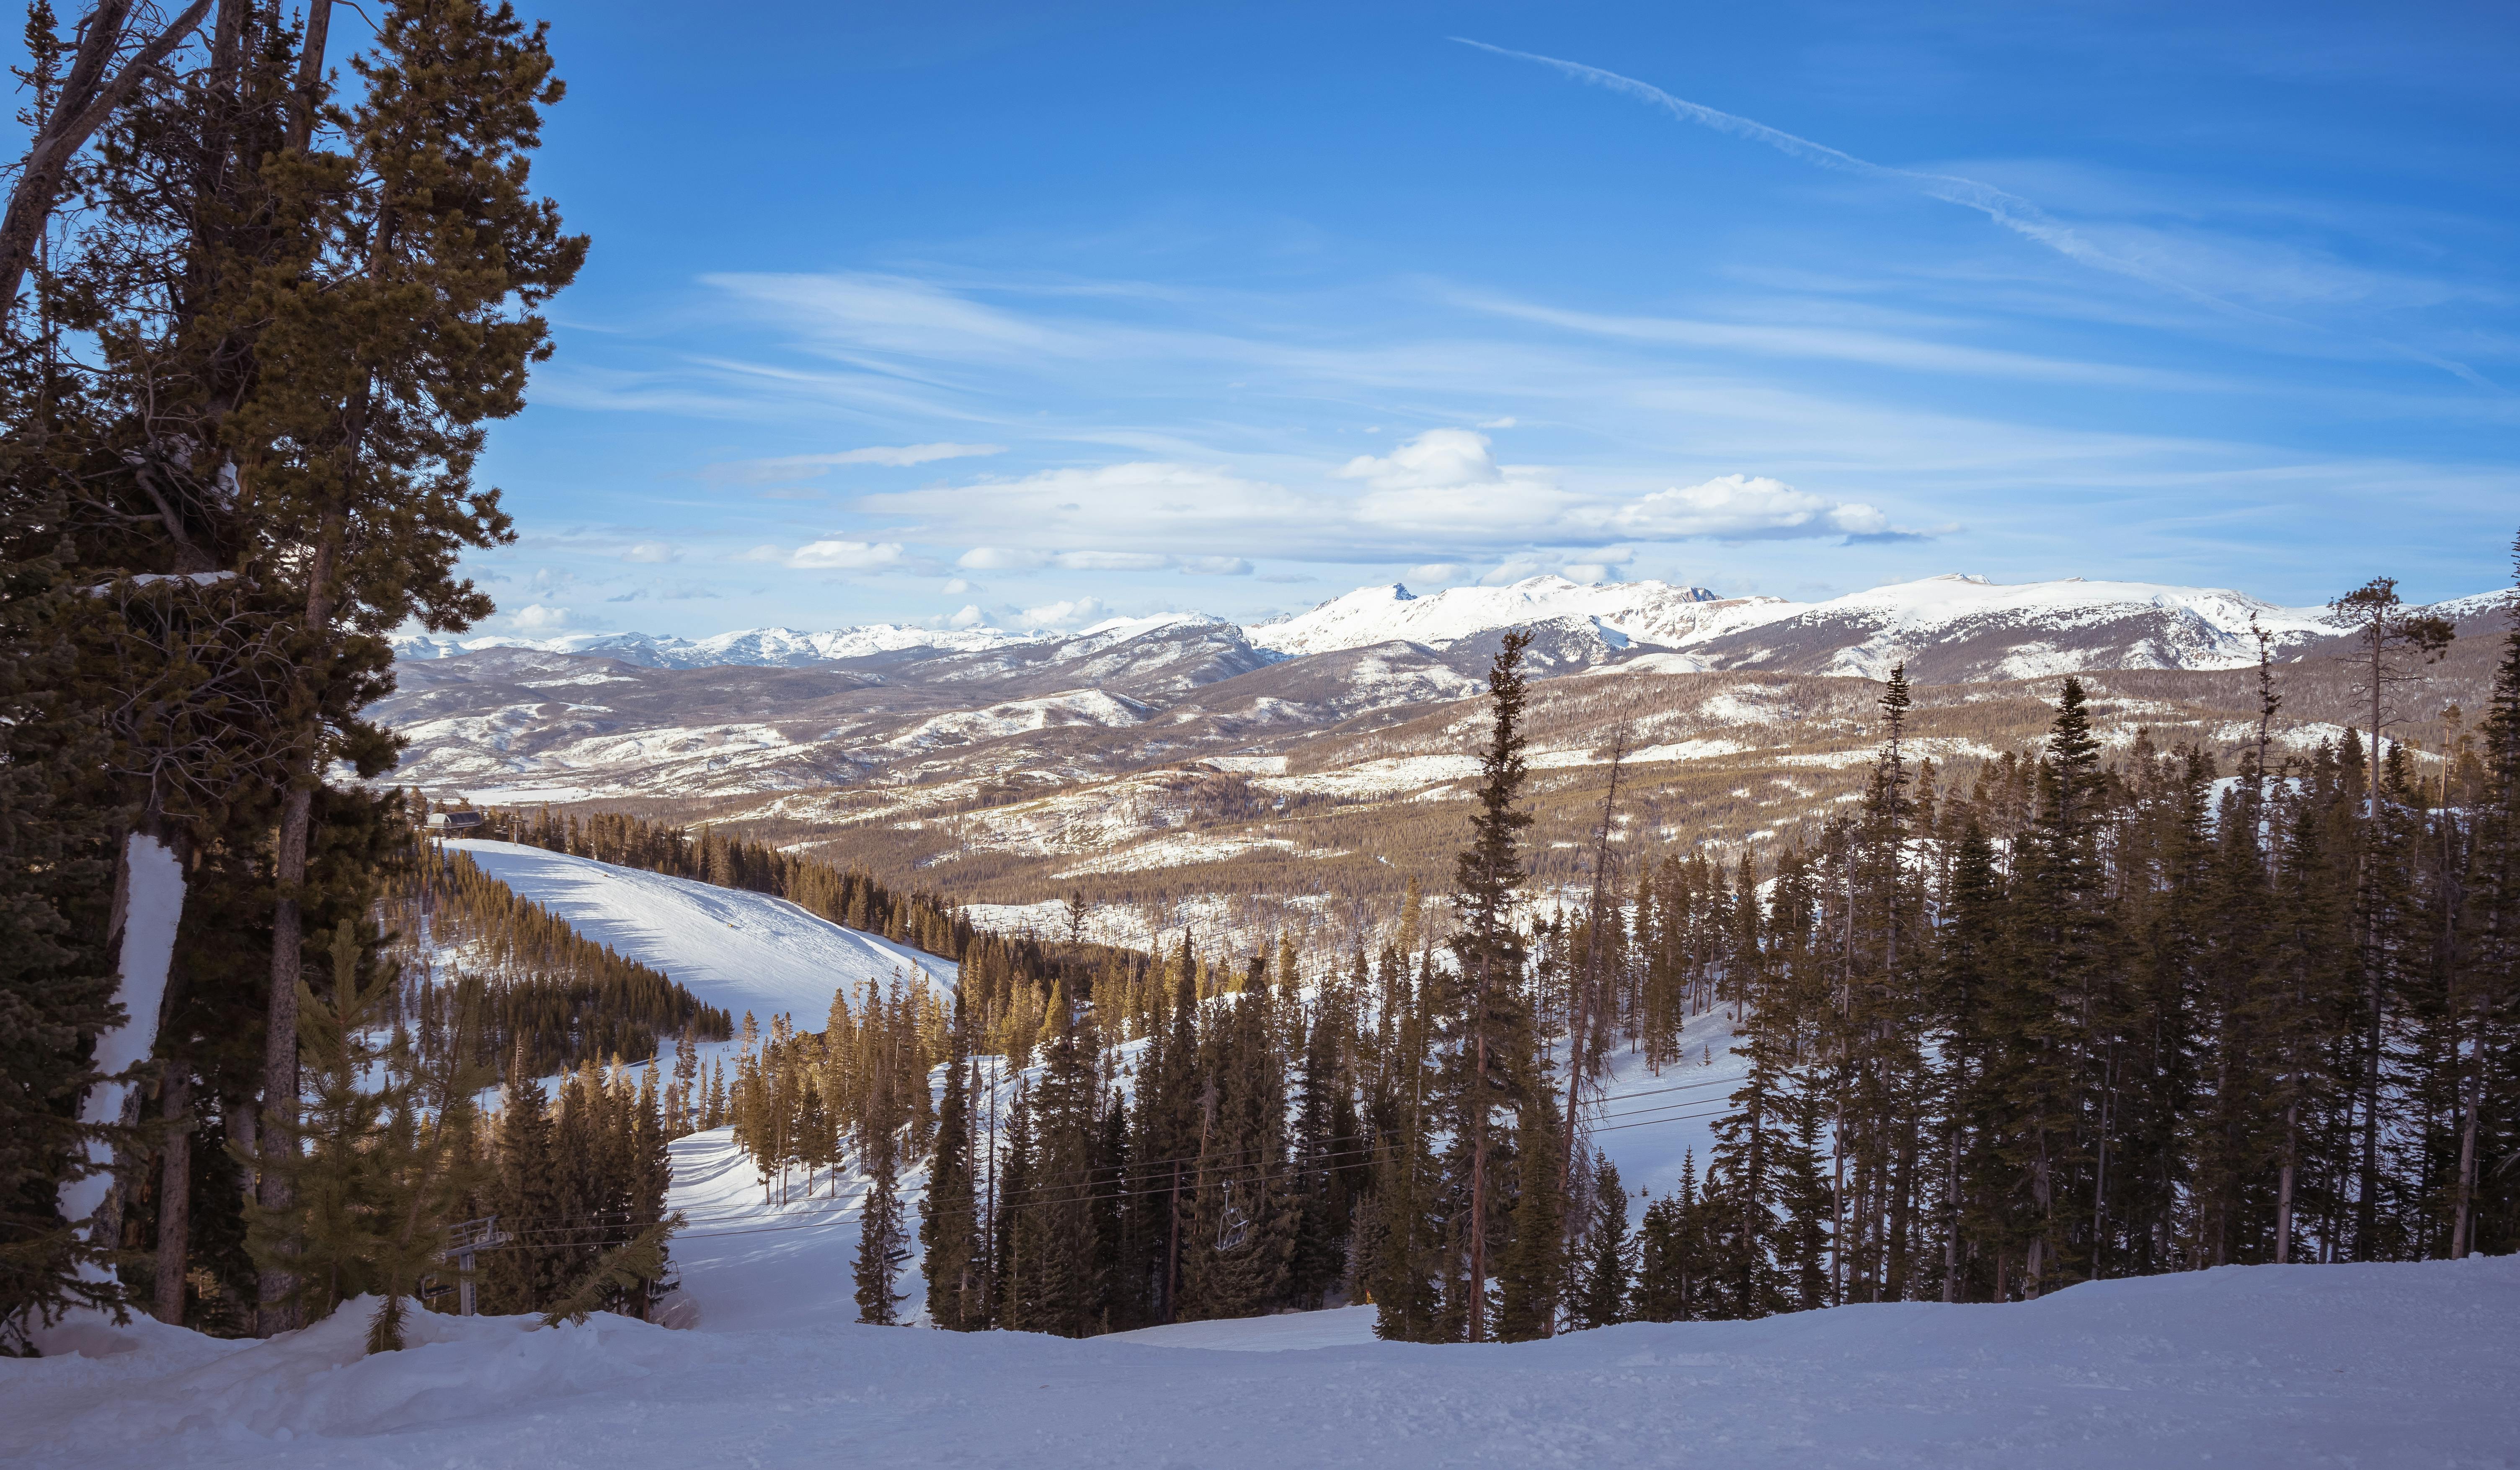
(462, 1241)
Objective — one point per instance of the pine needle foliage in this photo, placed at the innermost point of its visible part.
(618, 1277)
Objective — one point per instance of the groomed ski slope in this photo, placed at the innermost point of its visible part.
(731, 947)
(746, 1263)
(2360, 1365)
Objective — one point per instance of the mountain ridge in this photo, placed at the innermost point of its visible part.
(2197, 627)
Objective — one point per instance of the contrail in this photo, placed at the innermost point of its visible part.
(2008, 209)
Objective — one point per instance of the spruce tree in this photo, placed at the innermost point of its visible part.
(882, 1242)
(1532, 1275)
(1602, 1295)
(948, 1213)
(1485, 1017)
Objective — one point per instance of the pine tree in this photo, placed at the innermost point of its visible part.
(1014, 1254)
(414, 327)
(1533, 1272)
(948, 1213)
(373, 1178)
(1403, 1248)
(1240, 1239)
(1671, 1263)
(1602, 1295)
(882, 1242)
(1485, 1016)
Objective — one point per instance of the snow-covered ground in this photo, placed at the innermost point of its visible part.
(733, 949)
(2347, 1366)
(2365, 1365)
(746, 1265)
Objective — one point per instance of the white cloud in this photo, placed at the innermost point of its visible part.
(1109, 560)
(1435, 574)
(956, 586)
(1441, 496)
(1438, 459)
(539, 617)
(1596, 564)
(1011, 558)
(970, 618)
(831, 555)
(1000, 558)
(1074, 612)
(651, 550)
(1739, 505)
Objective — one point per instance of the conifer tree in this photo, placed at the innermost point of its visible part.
(882, 1242)
(1488, 951)
(1402, 1265)
(1602, 1295)
(1533, 1274)
(1671, 1261)
(948, 1213)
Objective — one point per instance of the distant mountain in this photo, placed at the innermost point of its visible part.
(1948, 629)
(756, 647)
(771, 710)
(1619, 613)
(1956, 629)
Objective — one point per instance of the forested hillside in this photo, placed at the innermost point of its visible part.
(2074, 1017)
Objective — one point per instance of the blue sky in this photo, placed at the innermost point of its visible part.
(1034, 313)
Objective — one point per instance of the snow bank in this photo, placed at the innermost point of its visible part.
(2251, 1365)
(149, 1384)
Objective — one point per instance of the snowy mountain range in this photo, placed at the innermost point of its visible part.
(2017, 630)
(778, 710)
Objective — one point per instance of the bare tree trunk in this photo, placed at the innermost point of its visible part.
(88, 97)
(1588, 984)
(1479, 1176)
(287, 940)
(2475, 1102)
(310, 73)
(2284, 1186)
(1952, 1228)
(174, 1194)
(2366, 1190)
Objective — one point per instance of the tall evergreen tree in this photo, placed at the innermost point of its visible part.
(1486, 1019)
(948, 1213)
(1601, 1297)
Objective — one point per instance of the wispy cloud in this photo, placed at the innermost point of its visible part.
(2006, 208)
(797, 467)
(1840, 344)
(2002, 206)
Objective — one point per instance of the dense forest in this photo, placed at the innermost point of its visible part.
(2070, 1018)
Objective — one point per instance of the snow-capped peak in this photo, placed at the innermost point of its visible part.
(770, 648)
(1642, 613)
